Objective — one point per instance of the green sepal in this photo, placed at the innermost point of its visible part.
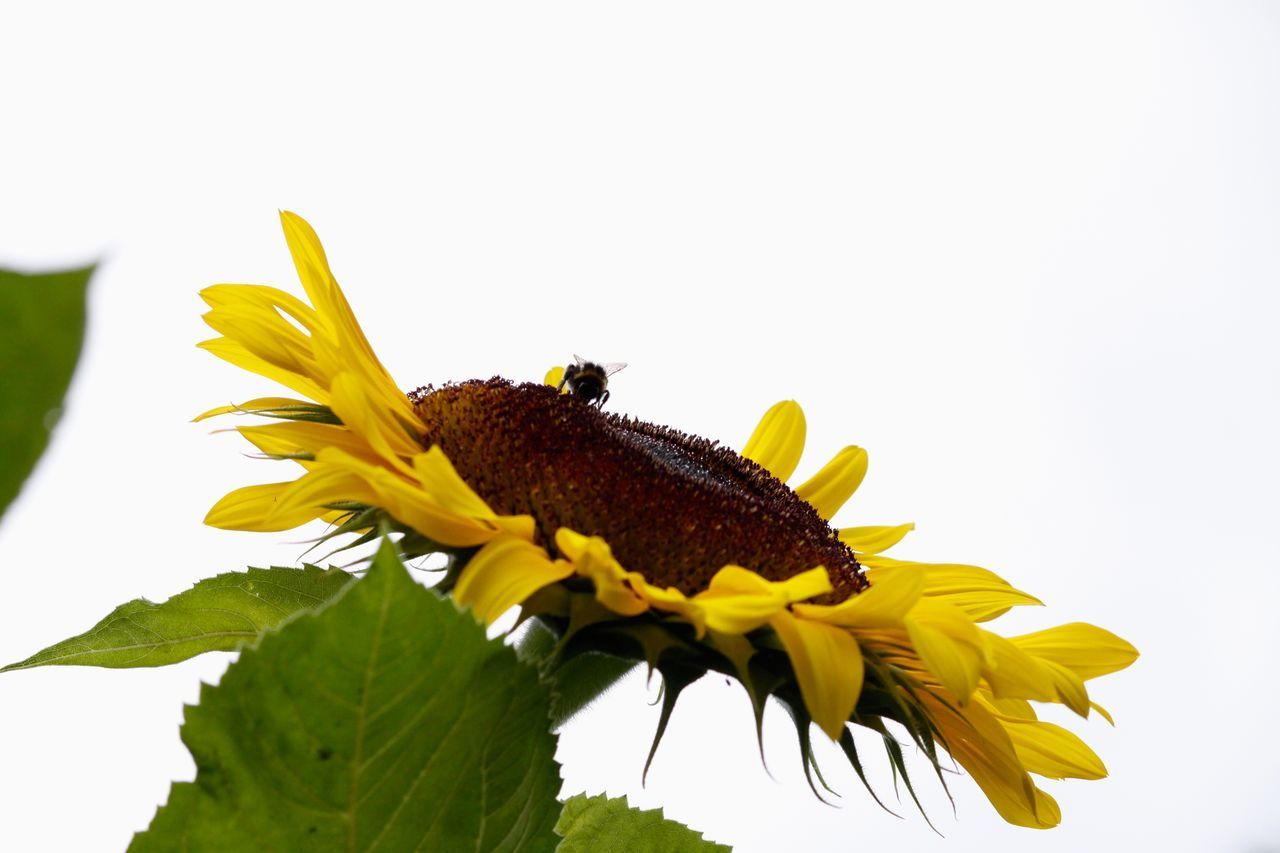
(761, 664)
(740, 653)
(300, 456)
(676, 676)
(592, 631)
(799, 714)
(575, 682)
(551, 602)
(655, 639)
(309, 412)
(736, 649)
(761, 672)
(584, 611)
(366, 521)
(369, 523)
(581, 681)
(850, 750)
(763, 681)
(886, 684)
(899, 765)
(413, 545)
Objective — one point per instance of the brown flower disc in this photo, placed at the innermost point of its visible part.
(674, 507)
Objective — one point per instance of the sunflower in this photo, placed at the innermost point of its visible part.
(625, 538)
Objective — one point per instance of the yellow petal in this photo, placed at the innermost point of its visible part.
(1052, 751)
(236, 353)
(306, 437)
(572, 544)
(949, 644)
(979, 743)
(738, 600)
(988, 604)
(1103, 712)
(254, 316)
(981, 594)
(828, 666)
(447, 491)
(1048, 815)
(778, 440)
(264, 297)
(806, 585)
(342, 347)
(446, 487)
(1007, 707)
(311, 494)
(553, 377)
(669, 600)
(253, 508)
(873, 540)
(1086, 650)
(1069, 687)
(884, 604)
(410, 503)
(504, 573)
(593, 559)
(312, 264)
(827, 490)
(260, 404)
(395, 415)
(371, 420)
(269, 336)
(1016, 674)
(270, 445)
(735, 580)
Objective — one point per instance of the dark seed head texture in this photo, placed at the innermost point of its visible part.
(672, 506)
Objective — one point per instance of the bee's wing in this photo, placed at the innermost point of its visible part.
(579, 360)
(613, 367)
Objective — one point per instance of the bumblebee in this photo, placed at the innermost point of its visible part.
(588, 380)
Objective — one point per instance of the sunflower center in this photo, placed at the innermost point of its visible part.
(675, 507)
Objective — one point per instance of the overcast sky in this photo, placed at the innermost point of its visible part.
(1027, 257)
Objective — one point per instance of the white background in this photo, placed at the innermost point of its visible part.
(1027, 257)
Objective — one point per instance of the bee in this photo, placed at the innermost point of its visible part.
(588, 380)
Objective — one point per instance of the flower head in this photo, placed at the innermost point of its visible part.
(644, 542)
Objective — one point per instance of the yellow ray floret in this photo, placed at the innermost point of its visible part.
(778, 440)
(504, 573)
(316, 345)
(828, 490)
(828, 666)
(873, 540)
(371, 455)
(359, 441)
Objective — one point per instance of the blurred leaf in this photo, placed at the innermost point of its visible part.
(217, 614)
(41, 330)
(591, 824)
(385, 720)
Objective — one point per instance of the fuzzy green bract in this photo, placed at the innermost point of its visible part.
(217, 614)
(382, 721)
(41, 329)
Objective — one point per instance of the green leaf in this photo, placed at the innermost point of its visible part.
(41, 329)
(591, 824)
(382, 721)
(217, 614)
